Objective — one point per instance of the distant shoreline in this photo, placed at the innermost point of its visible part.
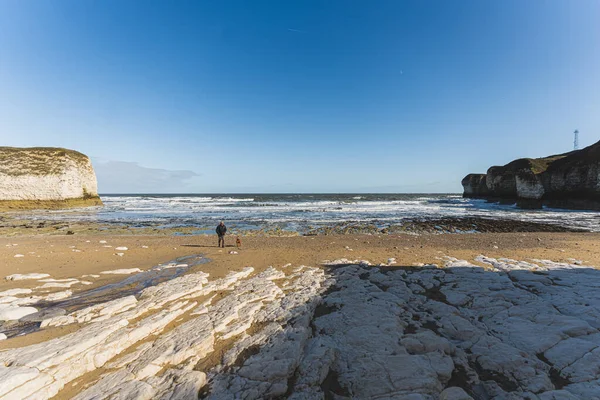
(15, 227)
(289, 214)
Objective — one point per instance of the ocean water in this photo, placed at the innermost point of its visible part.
(298, 212)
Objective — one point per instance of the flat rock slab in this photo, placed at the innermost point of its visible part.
(22, 277)
(517, 330)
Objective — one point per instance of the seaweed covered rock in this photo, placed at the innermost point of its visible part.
(46, 177)
(569, 180)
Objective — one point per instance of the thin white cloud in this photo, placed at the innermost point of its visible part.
(130, 177)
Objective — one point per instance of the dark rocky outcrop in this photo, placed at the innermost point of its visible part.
(569, 180)
(475, 185)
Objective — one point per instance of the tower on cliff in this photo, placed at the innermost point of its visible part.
(576, 140)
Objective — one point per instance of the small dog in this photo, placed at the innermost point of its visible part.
(238, 242)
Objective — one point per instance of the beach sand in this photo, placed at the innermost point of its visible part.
(72, 256)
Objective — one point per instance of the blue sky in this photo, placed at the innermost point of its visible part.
(304, 96)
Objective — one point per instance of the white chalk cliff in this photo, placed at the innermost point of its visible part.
(46, 177)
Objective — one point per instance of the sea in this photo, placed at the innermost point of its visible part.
(301, 212)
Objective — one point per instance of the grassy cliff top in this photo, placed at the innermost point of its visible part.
(590, 154)
(15, 161)
(535, 165)
(585, 156)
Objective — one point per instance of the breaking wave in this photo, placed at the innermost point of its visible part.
(289, 211)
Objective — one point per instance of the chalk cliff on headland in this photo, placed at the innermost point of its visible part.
(46, 177)
(570, 180)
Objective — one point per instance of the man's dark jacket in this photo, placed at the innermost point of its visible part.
(221, 229)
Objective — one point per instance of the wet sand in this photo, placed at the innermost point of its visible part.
(72, 256)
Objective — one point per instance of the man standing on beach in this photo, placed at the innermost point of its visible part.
(221, 230)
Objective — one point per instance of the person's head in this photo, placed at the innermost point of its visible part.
(222, 223)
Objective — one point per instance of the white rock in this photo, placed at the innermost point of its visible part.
(21, 277)
(11, 378)
(58, 284)
(19, 301)
(121, 248)
(558, 395)
(13, 313)
(124, 271)
(19, 255)
(13, 292)
(454, 393)
(98, 312)
(59, 295)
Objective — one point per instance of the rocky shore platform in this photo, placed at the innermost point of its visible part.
(445, 225)
(17, 225)
(462, 329)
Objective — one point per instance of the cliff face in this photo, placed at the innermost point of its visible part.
(501, 181)
(570, 180)
(475, 185)
(46, 177)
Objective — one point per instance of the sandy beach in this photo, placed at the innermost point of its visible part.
(68, 256)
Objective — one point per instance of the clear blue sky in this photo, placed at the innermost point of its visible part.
(298, 96)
